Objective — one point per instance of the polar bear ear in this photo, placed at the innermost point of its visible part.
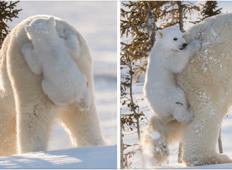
(52, 21)
(159, 35)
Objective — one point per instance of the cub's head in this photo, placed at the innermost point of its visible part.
(40, 28)
(171, 38)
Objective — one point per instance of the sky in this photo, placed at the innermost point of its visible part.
(226, 6)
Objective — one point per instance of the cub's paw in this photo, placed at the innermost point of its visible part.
(84, 102)
(184, 116)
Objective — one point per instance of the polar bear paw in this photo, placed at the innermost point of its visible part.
(206, 160)
(183, 115)
(154, 147)
(84, 104)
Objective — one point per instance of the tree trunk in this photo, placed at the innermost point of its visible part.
(180, 153)
(220, 148)
(181, 19)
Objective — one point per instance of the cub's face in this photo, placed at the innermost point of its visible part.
(41, 28)
(171, 38)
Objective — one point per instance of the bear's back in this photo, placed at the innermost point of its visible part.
(207, 78)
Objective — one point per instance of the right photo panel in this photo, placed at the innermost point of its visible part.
(175, 84)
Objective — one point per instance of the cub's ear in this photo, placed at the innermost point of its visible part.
(159, 35)
(52, 21)
(28, 29)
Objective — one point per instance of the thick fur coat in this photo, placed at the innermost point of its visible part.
(207, 83)
(26, 111)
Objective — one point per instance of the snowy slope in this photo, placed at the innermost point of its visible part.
(94, 157)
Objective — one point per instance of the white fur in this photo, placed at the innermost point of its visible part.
(207, 83)
(166, 59)
(208, 86)
(166, 99)
(26, 112)
(48, 54)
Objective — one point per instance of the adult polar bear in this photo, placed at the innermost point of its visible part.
(208, 85)
(26, 112)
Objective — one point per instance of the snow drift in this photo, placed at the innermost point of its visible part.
(81, 158)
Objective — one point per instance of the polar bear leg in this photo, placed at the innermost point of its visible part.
(34, 118)
(154, 143)
(33, 108)
(33, 126)
(200, 140)
(7, 133)
(157, 137)
(31, 58)
(83, 125)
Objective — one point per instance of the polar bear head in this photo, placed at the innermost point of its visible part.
(171, 38)
(40, 28)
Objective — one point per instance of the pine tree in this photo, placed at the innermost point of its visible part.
(210, 8)
(8, 11)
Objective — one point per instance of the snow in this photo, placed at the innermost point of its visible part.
(78, 158)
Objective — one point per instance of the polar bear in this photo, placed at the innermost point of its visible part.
(208, 86)
(48, 54)
(168, 57)
(207, 83)
(26, 111)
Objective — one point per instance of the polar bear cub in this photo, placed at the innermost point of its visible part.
(48, 54)
(169, 56)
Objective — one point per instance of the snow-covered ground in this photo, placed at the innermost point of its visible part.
(82, 158)
(96, 21)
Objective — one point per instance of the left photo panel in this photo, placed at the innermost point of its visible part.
(58, 86)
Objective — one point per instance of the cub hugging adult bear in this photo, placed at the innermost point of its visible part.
(207, 83)
(35, 91)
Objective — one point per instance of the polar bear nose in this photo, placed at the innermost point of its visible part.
(184, 45)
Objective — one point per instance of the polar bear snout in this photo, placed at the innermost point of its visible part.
(184, 45)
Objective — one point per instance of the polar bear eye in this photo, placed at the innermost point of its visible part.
(175, 39)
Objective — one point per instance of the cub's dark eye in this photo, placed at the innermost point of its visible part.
(175, 39)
